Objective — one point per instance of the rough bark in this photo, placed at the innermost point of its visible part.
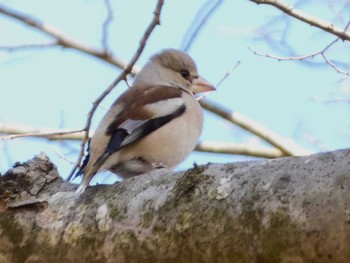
(294, 209)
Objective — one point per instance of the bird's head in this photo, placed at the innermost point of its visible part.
(176, 68)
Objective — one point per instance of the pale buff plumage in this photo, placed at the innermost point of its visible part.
(155, 123)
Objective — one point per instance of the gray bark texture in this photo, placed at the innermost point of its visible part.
(283, 210)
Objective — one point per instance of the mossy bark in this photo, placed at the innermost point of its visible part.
(282, 210)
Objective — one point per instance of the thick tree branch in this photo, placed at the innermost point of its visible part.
(307, 18)
(283, 210)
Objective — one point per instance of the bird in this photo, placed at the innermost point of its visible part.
(154, 124)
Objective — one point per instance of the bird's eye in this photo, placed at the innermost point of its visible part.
(185, 74)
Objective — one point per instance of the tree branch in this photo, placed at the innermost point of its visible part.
(307, 18)
(19, 131)
(30, 46)
(61, 38)
(283, 210)
(239, 149)
(287, 146)
(321, 53)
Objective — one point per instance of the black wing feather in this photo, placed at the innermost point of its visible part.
(85, 162)
(121, 138)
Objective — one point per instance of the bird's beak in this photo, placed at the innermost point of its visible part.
(200, 85)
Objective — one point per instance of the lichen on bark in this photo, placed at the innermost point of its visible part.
(283, 210)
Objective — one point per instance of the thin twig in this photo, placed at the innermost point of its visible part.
(155, 21)
(127, 82)
(228, 73)
(279, 58)
(15, 130)
(18, 131)
(334, 66)
(303, 57)
(312, 55)
(62, 156)
(29, 46)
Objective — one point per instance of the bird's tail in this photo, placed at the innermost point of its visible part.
(84, 183)
(88, 173)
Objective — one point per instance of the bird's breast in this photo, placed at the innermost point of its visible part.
(171, 143)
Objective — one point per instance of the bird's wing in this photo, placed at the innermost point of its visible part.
(141, 115)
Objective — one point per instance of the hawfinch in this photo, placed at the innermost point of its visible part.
(154, 124)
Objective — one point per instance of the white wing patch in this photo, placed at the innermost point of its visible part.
(136, 128)
(131, 125)
(164, 107)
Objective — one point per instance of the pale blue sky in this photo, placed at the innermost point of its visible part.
(56, 87)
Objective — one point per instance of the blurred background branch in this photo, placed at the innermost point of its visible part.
(290, 10)
(61, 39)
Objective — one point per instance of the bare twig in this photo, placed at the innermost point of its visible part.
(287, 146)
(312, 55)
(18, 131)
(61, 38)
(279, 58)
(239, 149)
(123, 75)
(200, 20)
(106, 24)
(334, 66)
(62, 156)
(228, 73)
(307, 18)
(30, 46)
(127, 82)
